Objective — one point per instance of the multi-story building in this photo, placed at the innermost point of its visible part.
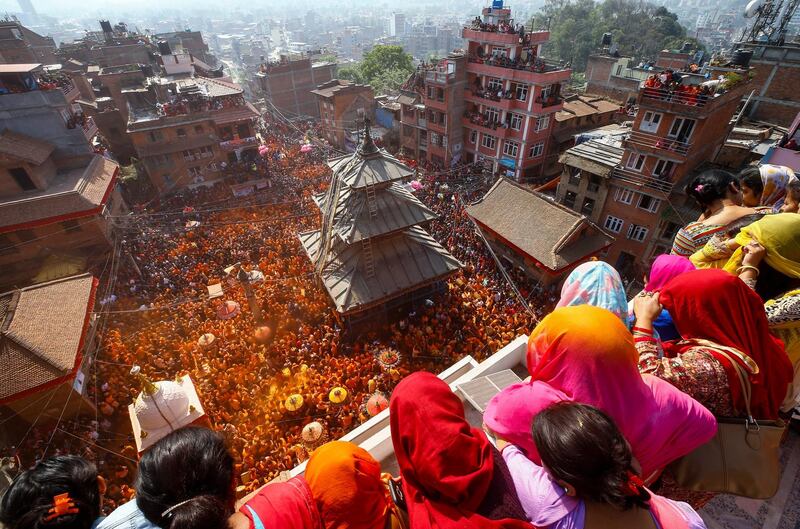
(432, 103)
(512, 94)
(641, 200)
(19, 45)
(56, 194)
(186, 129)
(397, 25)
(288, 84)
(343, 107)
(777, 74)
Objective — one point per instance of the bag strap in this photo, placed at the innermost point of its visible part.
(747, 388)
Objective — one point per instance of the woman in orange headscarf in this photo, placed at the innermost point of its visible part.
(345, 481)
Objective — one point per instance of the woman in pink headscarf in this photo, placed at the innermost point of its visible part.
(664, 268)
(585, 354)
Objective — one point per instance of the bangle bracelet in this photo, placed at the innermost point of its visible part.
(642, 330)
(748, 267)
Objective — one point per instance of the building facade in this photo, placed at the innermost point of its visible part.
(288, 84)
(511, 95)
(19, 45)
(641, 200)
(343, 107)
(777, 75)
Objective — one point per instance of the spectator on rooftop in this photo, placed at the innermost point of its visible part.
(718, 316)
(61, 492)
(452, 475)
(586, 354)
(588, 476)
(765, 185)
(792, 202)
(717, 192)
(664, 268)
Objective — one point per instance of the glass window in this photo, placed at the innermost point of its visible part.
(490, 142)
(636, 161)
(536, 150)
(624, 195)
(613, 224)
(649, 203)
(637, 233)
(650, 122)
(515, 121)
(473, 136)
(521, 92)
(511, 148)
(542, 123)
(569, 199)
(588, 206)
(494, 84)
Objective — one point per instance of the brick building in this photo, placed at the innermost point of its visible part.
(184, 129)
(432, 103)
(512, 95)
(288, 84)
(19, 44)
(777, 77)
(641, 199)
(343, 106)
(613, 77)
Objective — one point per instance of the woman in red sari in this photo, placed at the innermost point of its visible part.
(714, 313)
(452, 475)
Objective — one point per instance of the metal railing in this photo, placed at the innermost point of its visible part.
(540, 65)
(682, 98)
(646, 139)
(652, 183)
(549, 101)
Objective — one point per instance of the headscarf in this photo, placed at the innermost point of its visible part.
(780, 235)
(664, 268)
(345, 481)
(446, 465)
(716, 306)
(287, 505)
(595, 283)
(775, 179)
(584, 354)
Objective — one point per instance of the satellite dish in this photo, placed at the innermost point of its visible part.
(752, 8)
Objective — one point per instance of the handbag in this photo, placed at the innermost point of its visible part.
(743, 458)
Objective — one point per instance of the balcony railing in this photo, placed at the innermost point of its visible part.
(651, 183)
(439, 77)
(549, 101)
(237, 143)
(507, 36)
(538, 65)
(676, 96)
(646, 139)
(89, 128)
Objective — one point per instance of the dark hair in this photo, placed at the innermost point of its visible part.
(581, 445)
(793, 190)
(28, 501)
(189, 465)
(751, 177)
(733, 229)
(709, 186)
(772, 284)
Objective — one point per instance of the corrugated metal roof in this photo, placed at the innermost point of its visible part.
(597, 152)
(397, 209)
(360, 171)
(402, 262)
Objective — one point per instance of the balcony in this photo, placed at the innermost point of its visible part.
(688, 103)
(439, 77)
(676, 148)
(498, 132)
(238, 143)
(89, 128)
(541, 72)
(645, 183)
(70, 91)
(485, 35)
(547, 105)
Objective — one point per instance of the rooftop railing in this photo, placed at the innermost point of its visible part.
(646, 139)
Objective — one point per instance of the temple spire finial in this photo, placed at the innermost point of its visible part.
(367, 145)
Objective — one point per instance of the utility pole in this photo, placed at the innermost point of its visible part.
(244, 278)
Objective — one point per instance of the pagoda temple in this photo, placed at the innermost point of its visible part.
(371, 248)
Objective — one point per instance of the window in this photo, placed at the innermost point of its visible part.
(494, 84)
(434, 138)
(575, 179)
(511, 148)
(681, 129)
(473, 136)
(490, 142)
(650, 122)
(25, 235)
(22, 178)
(546, 91)
(542, 123)
(515, 121)
(649, 203)
(188, 156)
(181, 133)
(588, 206)
(569, 199)
(663, 168)
(71, 226)
(637, 233)
(636, 161)
(521, 92)
(624, 195)
(594, 184)
(493, 115)
(499, 52)
(613, 224)
(155, 135)
(536, 150)
(442, 118)
(198, 129)
(195, 171)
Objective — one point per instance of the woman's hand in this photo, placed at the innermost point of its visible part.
(753, 253)
(646, 308)
(499, 442)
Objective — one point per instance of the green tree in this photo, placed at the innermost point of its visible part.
(383, 58)
(351, 72)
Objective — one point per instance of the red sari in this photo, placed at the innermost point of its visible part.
(716, 306)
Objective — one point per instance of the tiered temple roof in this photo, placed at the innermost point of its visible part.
(371, 248)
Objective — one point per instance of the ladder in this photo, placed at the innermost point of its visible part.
(371, 203)
(366, 253)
